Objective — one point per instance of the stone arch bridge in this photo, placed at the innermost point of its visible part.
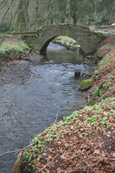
(88, 40)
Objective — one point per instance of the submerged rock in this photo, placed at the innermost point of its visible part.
(86, 84)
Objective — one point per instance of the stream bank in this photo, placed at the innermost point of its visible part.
(33, 93)
(62, 134)
(83, 141)
(13, 48)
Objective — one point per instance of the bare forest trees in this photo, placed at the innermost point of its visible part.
(37, 10)
(45, 12)
(68, 11)
(22, 16)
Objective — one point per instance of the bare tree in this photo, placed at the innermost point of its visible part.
(22, 15)
(68, 11)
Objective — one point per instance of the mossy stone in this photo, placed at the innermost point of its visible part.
(86, 84)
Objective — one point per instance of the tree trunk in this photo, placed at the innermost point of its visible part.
(48, 12)
(95, 10)
(23, 17)
(37, 14)
(74, 19)
(68, 11)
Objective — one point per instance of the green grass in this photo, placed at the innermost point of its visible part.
(8, 47)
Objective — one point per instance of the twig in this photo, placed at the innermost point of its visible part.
(16, 151)
(22, 125)
(53, 124)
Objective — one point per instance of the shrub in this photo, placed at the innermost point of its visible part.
(6, 26)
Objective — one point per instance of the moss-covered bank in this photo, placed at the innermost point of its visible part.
(83, 141)
(69, 43)
(12, 48)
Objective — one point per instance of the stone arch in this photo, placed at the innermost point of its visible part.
(45, 45)
(86, 39)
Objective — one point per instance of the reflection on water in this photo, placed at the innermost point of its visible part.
(59, 54)
(27, 108)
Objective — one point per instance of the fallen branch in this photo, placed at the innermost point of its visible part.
(16, 151)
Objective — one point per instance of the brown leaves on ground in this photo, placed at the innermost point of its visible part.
(105, 76)
(82, 146)
(109, 42)
(110, 38)
(84, 142)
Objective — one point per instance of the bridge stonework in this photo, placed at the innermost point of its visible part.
(88, 40)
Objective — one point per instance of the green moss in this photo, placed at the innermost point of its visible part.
(32, 42)
(86, 84)
(67, 42)
(65, 38)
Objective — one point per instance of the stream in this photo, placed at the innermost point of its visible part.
(31, 101)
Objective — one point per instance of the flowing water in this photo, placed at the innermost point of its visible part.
(28, 106)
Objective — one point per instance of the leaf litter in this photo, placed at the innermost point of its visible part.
(84, 141)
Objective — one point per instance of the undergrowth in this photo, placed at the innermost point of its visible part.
(13, 47)
(85, 122)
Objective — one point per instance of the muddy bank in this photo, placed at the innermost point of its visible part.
(16, 70)
(13, 47)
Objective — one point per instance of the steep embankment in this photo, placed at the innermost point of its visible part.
(106, 45)
(84, 141)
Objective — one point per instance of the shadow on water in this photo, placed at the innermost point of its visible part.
(28, 106)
